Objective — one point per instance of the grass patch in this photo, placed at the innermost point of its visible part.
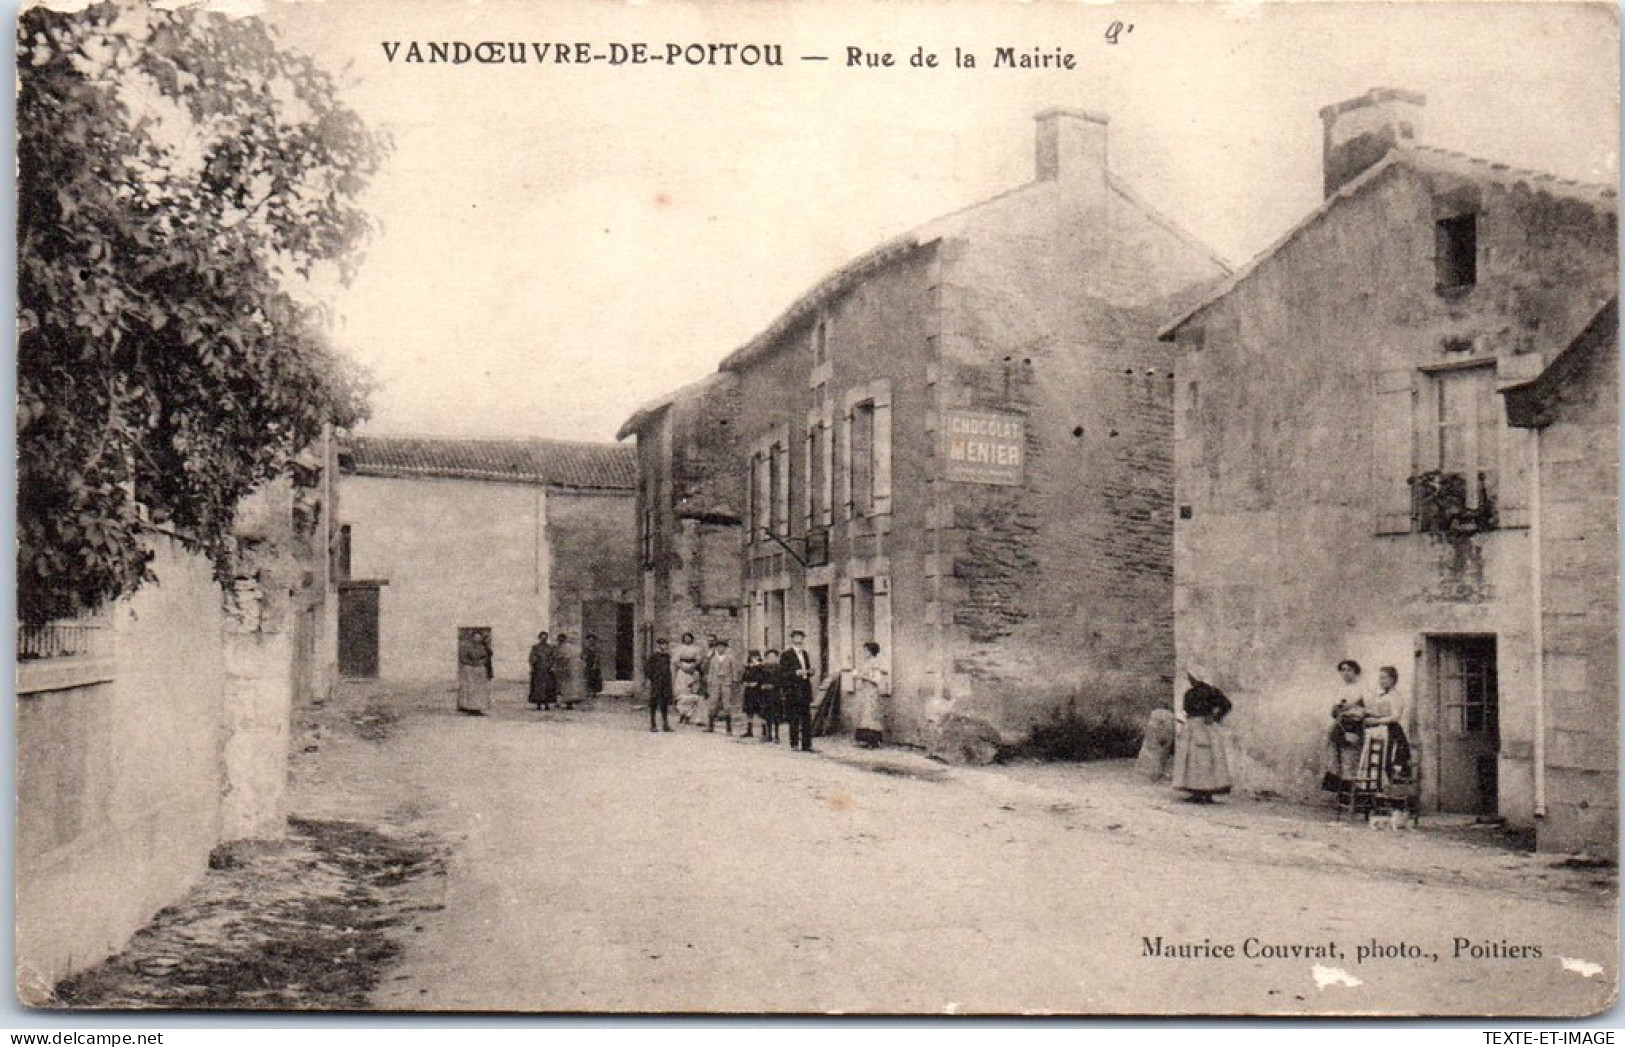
(1071, 734)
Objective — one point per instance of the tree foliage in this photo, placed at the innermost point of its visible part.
(182, 181)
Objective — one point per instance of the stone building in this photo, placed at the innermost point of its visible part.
(1347, 482)
(508, 536)
(958, 445)
(690, 506)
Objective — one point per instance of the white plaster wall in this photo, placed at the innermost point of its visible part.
(119, 784)
(455, 553)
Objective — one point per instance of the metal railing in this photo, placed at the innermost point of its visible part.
(84, 638)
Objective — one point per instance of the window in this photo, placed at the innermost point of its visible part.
(817, 494)
(343, 567)
(1466, 685)
(820, 342)
(773, 636)
(864, 473)
(1456, 251)
(863, 459)
(1455, 489)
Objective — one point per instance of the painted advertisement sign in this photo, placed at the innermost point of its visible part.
(987, 447)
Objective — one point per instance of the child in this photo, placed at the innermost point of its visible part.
(772, 714)
(751, 681)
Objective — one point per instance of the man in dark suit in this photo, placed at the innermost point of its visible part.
(796, 690)
(657, 676)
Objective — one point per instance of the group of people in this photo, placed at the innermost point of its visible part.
(772, 693)
(559, 674)
(1366, 747)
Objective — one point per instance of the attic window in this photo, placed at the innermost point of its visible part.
(820, 344)
(1456, 251)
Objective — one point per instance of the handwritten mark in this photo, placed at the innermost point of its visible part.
(1584, 968)
(1327, 976)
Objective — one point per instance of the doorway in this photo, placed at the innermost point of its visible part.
(1467, 717)
(358, 630)
(820, 624)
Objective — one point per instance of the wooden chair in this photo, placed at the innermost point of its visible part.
(1357, 794)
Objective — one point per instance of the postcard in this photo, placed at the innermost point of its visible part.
(1086, 509)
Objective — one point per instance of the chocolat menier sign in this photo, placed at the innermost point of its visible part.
(985, 447)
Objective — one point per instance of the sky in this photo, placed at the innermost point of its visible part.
(560, 244)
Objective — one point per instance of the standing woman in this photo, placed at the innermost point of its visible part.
(868, 684)
(1385, 752)
(1200, 767)
(592, 668)
(685, 678)
(473, 696)
(541, 671)
(567, 665)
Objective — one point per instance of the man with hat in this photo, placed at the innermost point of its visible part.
(796, 689)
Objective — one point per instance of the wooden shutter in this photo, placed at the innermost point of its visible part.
(846, 458)
(1517, 445)
(1394, 421)
(881, 442)
(883, 629)
(809, 445)
(781, 497)
(826, 497)
(845, 652)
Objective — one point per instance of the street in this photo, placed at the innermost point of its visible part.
(593, 866)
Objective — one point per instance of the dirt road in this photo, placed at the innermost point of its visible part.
(593, 866)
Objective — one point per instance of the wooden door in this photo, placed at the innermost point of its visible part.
(358, 631)
(1467, 716)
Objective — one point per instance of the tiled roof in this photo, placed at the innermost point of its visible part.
(1425, 159)
(553, 463)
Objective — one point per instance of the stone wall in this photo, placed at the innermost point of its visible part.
(591, 537)
(1579, 469)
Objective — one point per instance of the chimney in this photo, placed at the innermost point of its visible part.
(1071, 143)
(1358, 133)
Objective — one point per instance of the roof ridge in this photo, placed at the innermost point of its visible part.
(1497, 165)
(1190, 239)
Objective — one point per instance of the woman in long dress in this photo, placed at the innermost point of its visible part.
(1343, 737)
(1385, 752)
(543, 688)
(1201, 770)
(473, 695)
(868, 685)
(567, 667)
(685, 679)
